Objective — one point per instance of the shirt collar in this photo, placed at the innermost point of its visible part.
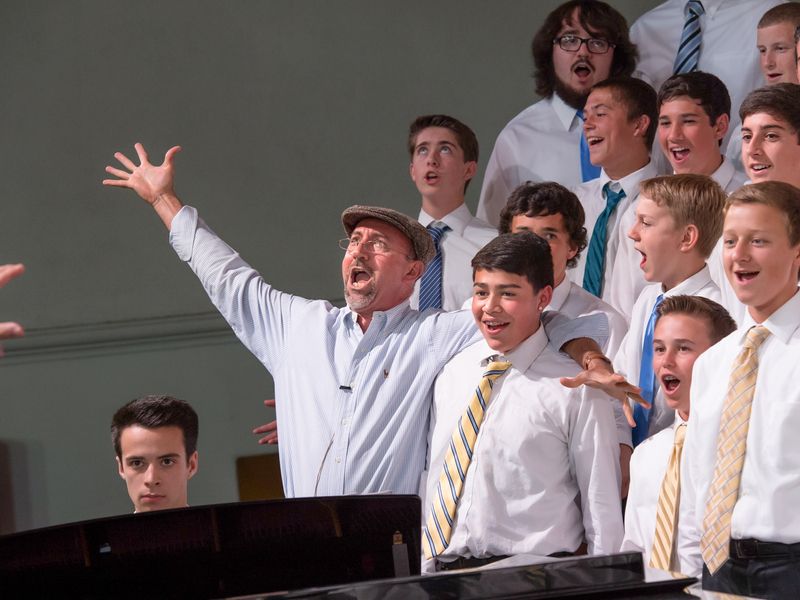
(724, 173)
(691, 285)
(522, 357)
(567, 115)
(560, 294)
(710, 6)
(782, 323)
(380, 318)
(630, 183)
(456, 220)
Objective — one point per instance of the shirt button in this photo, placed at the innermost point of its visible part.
(345, 422)
(338, 459)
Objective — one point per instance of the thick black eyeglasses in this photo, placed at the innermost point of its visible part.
(571, 43)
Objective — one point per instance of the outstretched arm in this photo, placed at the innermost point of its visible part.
(153, 183)
(10, 329)
(599, 373)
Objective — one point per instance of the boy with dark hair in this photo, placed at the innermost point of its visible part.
(444, 157)
(519, 413)
(776, 44)
(686, 326)
(580, 43)
(679, 220)
(554, 213)
(771, 134)
(620, 125)
(739, 521)
(155, 440)
(694, 114)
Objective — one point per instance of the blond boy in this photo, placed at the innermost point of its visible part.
(678, 222)
(739, 519)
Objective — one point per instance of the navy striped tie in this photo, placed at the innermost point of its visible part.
(430, 288)
(596, 256)
(689, 48)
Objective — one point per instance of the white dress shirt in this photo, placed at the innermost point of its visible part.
(544, 474)
(648, 467)
(353, 404)
(467, 235)
(571, 300)
(623, 279)
(728, 47)
(769, 493)
(628, 360)
(542, 143)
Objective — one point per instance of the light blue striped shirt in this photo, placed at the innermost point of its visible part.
(353, 406)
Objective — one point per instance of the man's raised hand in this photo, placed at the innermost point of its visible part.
(153, 183)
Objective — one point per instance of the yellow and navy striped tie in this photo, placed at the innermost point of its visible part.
(667, 510)
(456, 462)
(731, 447)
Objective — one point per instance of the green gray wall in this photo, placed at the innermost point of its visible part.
(288, 111)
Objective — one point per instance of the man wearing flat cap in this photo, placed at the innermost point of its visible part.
(358, 424)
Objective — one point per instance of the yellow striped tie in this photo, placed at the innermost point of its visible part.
(456, 462)
(731, 448)
(667, 513)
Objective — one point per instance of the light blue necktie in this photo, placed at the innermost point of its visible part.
(430, 288)
(689, 48)
(647, 379)
(588, 170)
(596, 255)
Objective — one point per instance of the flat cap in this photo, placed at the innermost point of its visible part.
(420, 238)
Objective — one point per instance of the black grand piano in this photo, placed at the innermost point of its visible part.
(341, 547)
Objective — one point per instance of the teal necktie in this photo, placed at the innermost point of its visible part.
(596, 255)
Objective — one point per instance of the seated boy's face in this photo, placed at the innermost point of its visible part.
(760, 262)
(770, 149)
(155, 468)
(506, 309)
(657, 239)
(552, 229)
(677, 342)
(776, 48)
(438, 165)
(687, 138)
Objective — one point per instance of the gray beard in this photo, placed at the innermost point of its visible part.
(358, 301)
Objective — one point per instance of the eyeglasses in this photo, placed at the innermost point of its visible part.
(572, 43)
(371, 246)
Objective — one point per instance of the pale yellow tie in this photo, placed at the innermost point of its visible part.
(668, 501)
(731, 448)
(436, 533)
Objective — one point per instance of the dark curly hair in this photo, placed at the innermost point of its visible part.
(598, 18)
(547, 198)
